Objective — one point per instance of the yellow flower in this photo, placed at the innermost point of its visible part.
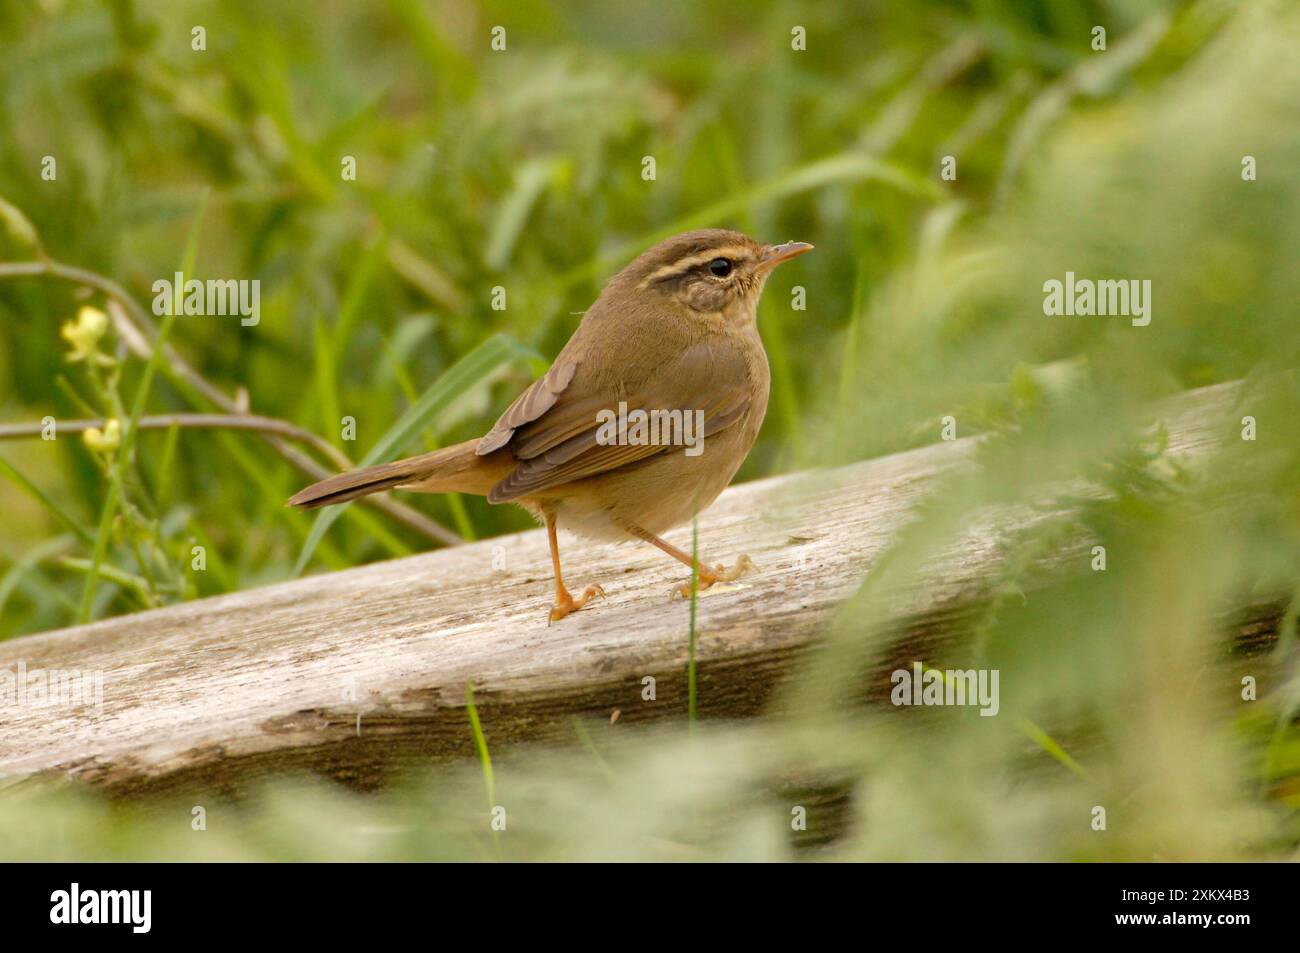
(84, 334)
(106, 440)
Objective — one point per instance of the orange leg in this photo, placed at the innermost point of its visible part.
(564, 602)
(708, 575)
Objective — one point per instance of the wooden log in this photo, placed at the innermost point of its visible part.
(354, 674)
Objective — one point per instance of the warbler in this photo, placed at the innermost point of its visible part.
(674, 331)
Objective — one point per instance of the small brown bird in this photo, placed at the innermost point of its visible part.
(642, 420)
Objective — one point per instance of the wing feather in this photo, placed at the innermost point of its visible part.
(560, 444)
(536, 400)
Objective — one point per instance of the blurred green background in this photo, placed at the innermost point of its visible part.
(521, 169)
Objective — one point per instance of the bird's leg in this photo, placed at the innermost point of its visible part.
(708, 575)
(564, 602)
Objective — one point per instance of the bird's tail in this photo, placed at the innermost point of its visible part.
(456, 469)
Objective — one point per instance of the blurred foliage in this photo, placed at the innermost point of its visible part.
(522, 169)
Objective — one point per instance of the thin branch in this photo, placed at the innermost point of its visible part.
(137, 329)
(403, 514)
(194, 422)
(138, 337)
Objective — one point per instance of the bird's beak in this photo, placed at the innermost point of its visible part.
(776, 254)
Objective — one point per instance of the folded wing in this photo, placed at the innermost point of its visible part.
(554, 428)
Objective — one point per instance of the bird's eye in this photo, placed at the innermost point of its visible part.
(720, 267)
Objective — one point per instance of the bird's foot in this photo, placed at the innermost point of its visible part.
(709, 575)
(566, 604)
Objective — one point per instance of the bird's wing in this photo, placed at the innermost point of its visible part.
(539, 397)
(563, 442)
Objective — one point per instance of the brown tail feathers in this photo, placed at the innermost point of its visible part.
(450, 470)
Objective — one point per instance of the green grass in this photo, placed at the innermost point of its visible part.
(522, 170)
(122, 461)
(462, 378)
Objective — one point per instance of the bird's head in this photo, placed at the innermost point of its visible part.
(711, 272)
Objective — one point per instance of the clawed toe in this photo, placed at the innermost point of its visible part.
(708, 576)
(567, 604)
(743, 565)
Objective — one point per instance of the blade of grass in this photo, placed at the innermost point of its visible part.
(531, 180)
(164, 330)
(97, 554)
(226, 581)
(13, 474)
(29, 561)
(480, 746)
(327, 384)
(485, 759)
(850, 360)
(457, 74)
(127, 580)
(1031, 730)
(129, 431)
(358, 284)
(163, 484)
(1049, 744)
(455, 503)
(843, 167)
(268, 488)
(584, 738)
(460, 377)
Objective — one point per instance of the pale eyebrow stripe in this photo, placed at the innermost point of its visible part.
(686, 264)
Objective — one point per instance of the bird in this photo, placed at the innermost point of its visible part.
(641, 421)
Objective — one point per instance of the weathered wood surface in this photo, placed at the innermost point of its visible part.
(354, 673)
